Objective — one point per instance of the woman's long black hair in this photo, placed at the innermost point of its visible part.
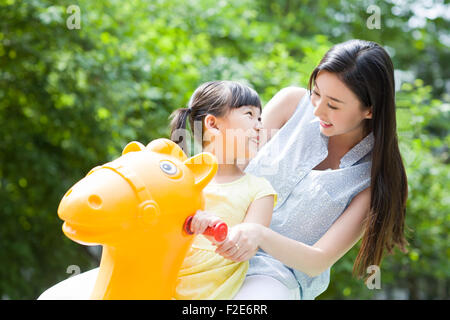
(367, 70)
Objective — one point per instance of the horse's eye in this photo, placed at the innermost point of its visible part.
(168, 167)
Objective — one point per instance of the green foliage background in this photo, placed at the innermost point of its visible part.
(72, 99)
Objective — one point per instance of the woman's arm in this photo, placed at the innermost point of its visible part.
(280, 109)
(277, 112)
(313, 260)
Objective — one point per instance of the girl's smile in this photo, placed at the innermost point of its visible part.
(237, 133)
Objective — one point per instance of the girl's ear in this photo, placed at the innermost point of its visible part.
(211, 124)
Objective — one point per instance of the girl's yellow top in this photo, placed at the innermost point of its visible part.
(204, 273)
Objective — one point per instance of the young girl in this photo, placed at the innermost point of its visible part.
(228, 114)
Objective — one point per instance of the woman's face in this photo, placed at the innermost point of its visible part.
(338, 108)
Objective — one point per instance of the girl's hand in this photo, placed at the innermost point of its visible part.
(242, 242)
(203, 220)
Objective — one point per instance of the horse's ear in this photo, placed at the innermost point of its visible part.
(204, 168)
(168, 147)
(133, 146)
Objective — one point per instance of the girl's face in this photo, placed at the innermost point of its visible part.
(237, 134)
(338, 108)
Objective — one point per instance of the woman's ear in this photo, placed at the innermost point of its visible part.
(369, 113)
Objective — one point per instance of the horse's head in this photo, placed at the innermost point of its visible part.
(148, 191)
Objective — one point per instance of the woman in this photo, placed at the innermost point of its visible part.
(336, 166)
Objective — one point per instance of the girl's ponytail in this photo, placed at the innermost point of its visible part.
(179, 133)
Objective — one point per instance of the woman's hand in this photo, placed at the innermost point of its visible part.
(242, 242)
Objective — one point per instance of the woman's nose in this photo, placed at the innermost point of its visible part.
(319, 108)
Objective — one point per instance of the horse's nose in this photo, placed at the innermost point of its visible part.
(76, 201)
(95, 201)
(70, 204)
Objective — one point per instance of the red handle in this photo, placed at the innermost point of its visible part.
(219, 231)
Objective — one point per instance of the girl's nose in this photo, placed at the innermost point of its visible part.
(258, 125)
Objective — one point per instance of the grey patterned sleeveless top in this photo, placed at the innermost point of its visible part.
(309, 201)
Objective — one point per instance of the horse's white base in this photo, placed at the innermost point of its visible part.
(78, 287)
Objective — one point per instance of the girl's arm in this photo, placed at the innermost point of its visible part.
(259, 213)
(312, 260)
(203, 220)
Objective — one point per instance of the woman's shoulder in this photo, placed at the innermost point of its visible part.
(293, 93)
(292, 97)
(282, 106)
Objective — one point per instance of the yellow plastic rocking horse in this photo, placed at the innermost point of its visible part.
(137, 207)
